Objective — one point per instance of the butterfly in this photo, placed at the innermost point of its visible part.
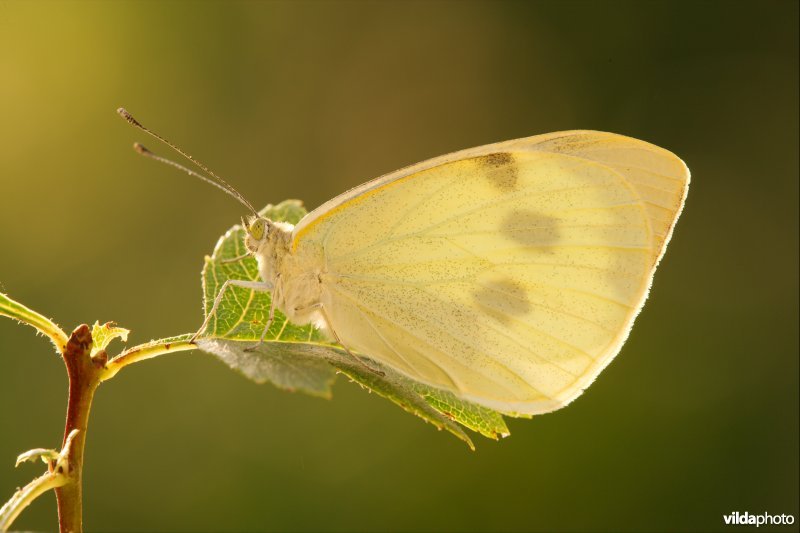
(508, 274)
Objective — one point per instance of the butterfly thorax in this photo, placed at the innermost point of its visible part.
(294, 276)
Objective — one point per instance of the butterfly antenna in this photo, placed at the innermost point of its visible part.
(143, 150)
(216, 181)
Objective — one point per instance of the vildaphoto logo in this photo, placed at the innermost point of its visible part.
(746, 519)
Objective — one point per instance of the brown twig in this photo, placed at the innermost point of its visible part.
(84, 377)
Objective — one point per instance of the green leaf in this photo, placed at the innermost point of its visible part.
(103, 335)
(19, 312)
(311, 368)
(399, 389)
(287, 365)
(300, 357)
(37, 453)
(483, 420)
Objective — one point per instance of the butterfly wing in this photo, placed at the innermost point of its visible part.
(509, 274)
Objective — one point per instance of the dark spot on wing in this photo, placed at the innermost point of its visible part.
(499, 169)
(502, 299)
(531, 228)
(497, 159)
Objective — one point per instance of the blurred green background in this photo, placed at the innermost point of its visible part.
(698, 417)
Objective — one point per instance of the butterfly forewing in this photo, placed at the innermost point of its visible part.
(508, 277)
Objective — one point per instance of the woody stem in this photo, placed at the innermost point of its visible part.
(84, 377)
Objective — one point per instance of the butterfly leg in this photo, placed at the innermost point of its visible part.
(236, 259)
(252, 285)
(343, 345)
(275, 292)
(270, 320)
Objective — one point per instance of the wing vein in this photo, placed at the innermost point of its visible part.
(417, 204)
(426, 231)
(402, 357)
(543, 306)
(425, 342)
(531, 228)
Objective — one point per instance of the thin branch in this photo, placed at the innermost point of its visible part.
(24, 496)
(58, 477)
(17, 311)
(146, 351)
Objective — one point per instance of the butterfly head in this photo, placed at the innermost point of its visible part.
(258, 230)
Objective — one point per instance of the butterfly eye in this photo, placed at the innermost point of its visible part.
(256, 229)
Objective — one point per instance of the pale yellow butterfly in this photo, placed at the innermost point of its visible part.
(508, 274)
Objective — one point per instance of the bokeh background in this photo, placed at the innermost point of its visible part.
(697, 417)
